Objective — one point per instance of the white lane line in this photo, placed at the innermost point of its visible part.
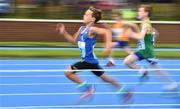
(79, 108)
(77, 93)
(63, 70)
(57, 76)
(66, 83)
(93, 106)
(68, 64)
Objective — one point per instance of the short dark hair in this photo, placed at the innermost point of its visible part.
(147, 8)
(96, 13)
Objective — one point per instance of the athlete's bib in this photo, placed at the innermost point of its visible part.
(82, 47)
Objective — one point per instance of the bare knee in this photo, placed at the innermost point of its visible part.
(68, 72)
(126, 62)
(129, 60)
(102, 77)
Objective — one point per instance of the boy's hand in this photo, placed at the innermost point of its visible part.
(60, 28)
(127, 32)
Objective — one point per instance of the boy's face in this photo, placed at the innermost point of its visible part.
(142, 13)
(88, 17)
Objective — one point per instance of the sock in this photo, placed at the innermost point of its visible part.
(121, 90)
(83, 86)
(111, 60)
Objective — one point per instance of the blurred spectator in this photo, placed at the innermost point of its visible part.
(73, 9)
(55, 2)
(6, 6)
(42, 2)
(107, 4)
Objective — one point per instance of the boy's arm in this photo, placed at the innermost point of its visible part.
(107, 35)
(107, 26)
(142, 34)
(61, 29)
(131, 30)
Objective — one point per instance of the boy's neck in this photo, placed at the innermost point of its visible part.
(89, 24)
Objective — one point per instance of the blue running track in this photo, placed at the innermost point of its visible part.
(41, 84)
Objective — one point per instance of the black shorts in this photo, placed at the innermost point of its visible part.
(84, 65)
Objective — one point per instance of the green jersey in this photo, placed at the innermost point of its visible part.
(146, 45)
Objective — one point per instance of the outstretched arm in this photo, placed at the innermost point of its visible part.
(107, 35)
(141, 35)
(132, 31)
(62, 31)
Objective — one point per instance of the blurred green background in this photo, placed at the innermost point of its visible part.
(164, 10)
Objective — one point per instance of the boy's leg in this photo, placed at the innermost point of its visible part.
(124, 92)
(110, 80)
(83, 86)
(72, 76)
(101, 74)
(111, 61)
(165, 77)
(130, 62)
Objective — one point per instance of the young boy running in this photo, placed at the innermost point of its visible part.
(86, 39)
(146, 47)
(118, 37)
